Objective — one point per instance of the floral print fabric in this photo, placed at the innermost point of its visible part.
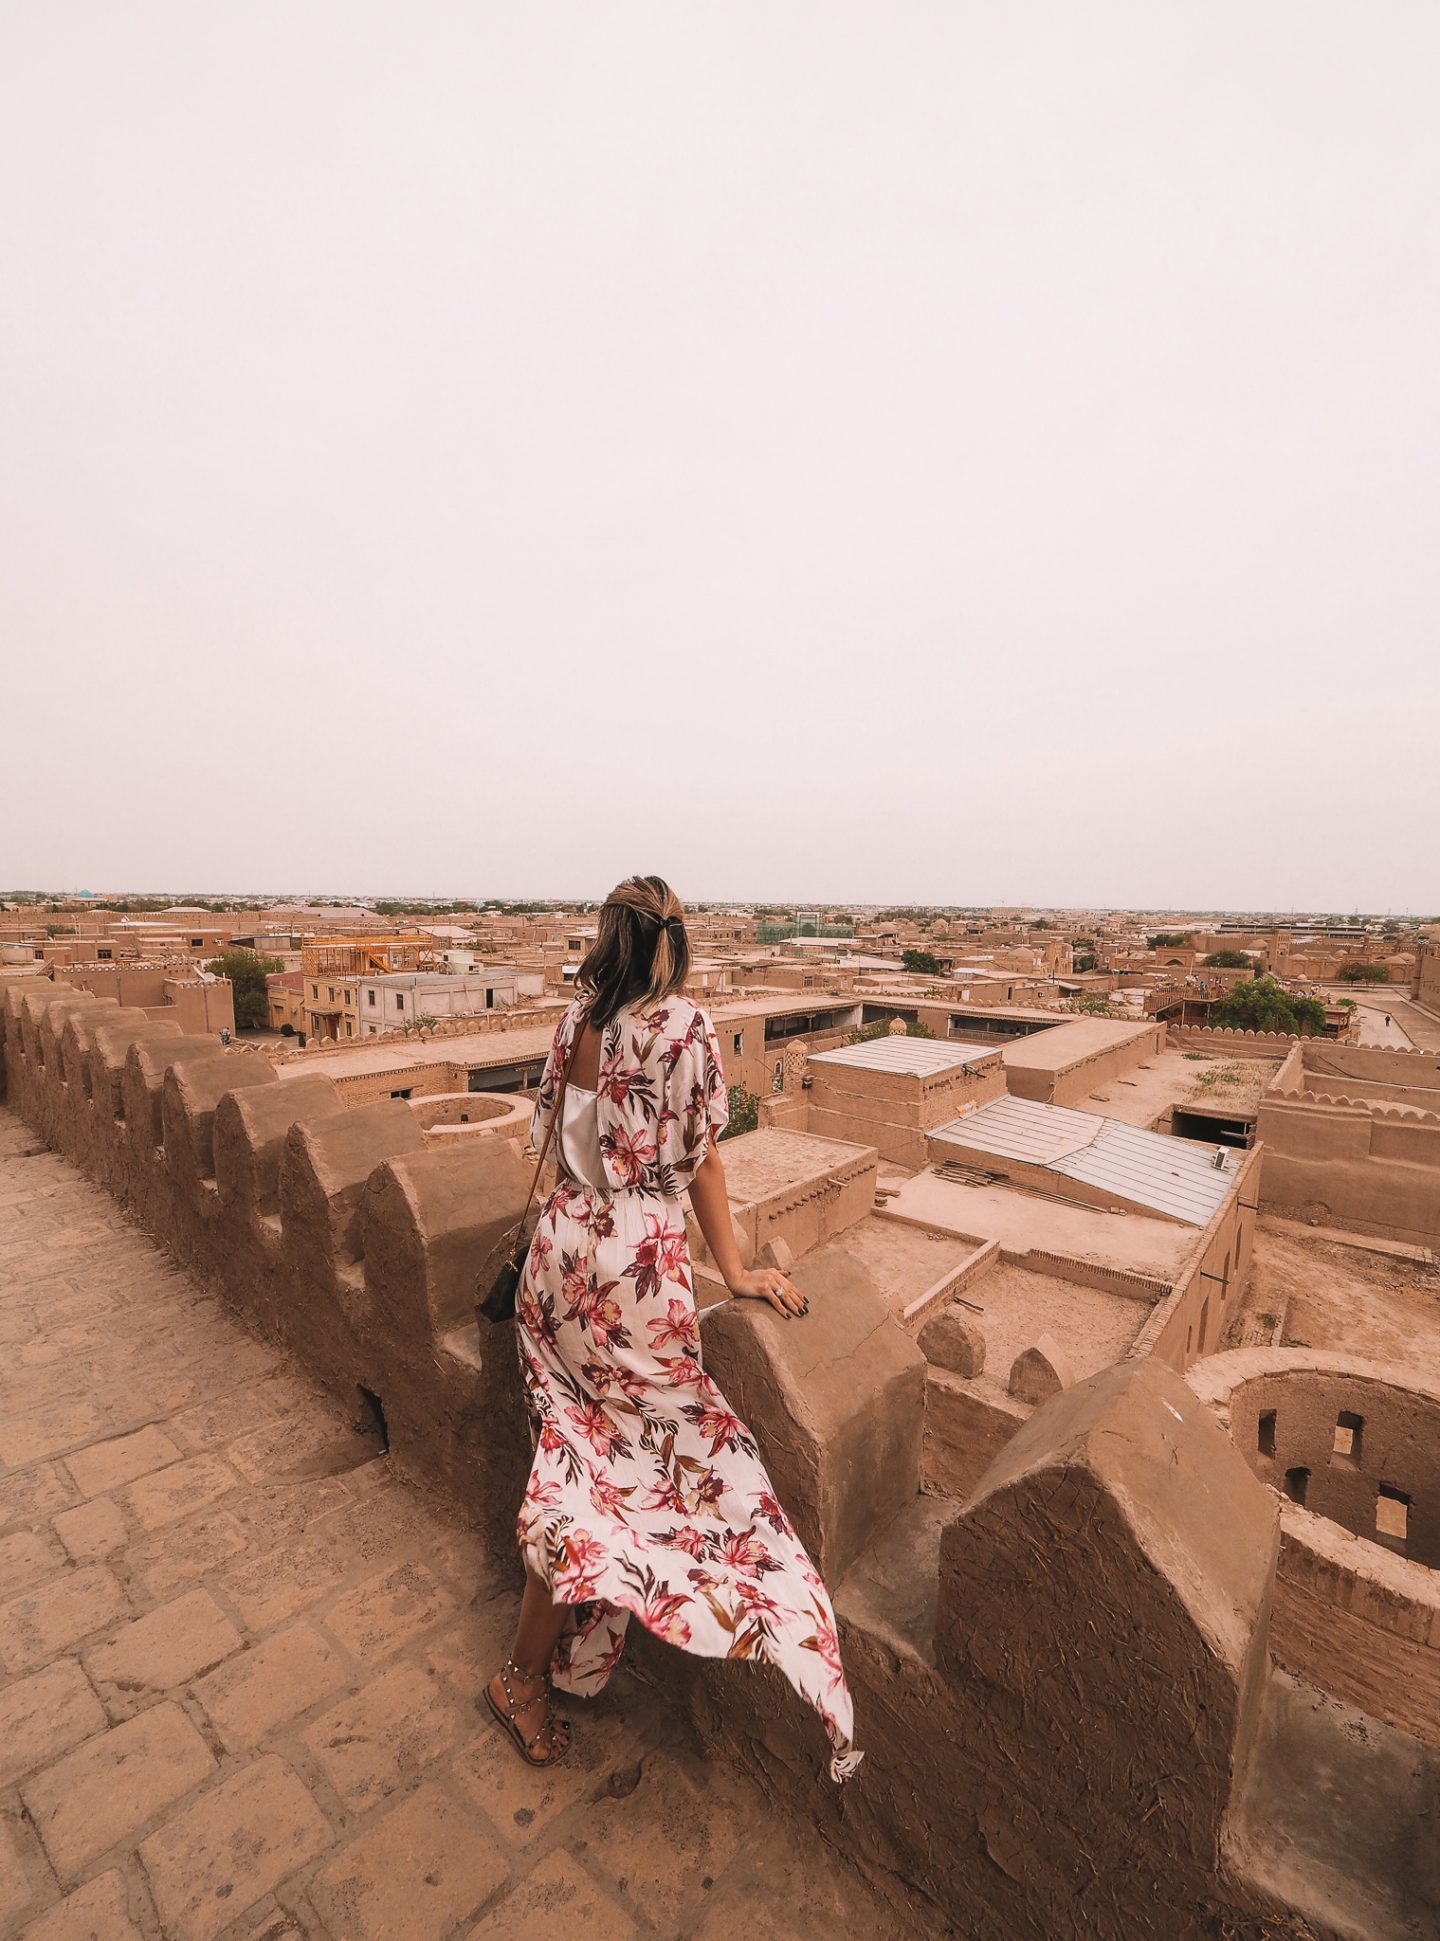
(659, 1096)
(647, 1495)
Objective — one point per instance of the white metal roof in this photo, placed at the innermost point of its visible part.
(1015, 1128)
(922, 1056)
(1177, 1177)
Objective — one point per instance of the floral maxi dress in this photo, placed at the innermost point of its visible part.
(647, 1495)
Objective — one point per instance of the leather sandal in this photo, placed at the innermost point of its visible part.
(510, 1718)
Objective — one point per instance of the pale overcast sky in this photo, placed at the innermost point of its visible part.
(885, 452)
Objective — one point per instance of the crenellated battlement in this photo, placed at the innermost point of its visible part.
(1226, 1038)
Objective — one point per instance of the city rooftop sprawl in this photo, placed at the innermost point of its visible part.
(1115, 1427)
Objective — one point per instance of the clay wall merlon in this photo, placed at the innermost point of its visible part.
(190, 1090)
(845, 1405)
(1153, 1499)
(248, 1139)
(146, 1064)
(426, 1219)
(324, 1169)
(80, 1062)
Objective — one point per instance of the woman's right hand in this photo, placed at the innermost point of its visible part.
(769, 1284)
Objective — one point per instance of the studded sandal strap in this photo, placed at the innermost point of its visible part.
(547, 1724)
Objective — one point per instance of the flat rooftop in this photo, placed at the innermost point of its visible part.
(1137, 1243)
(1071, 1040)
(903, 1261)
(473, 1049)
(1177, 1178)
(768, 1160)
(1019, 1304)
(1194, 1081)
(924, 1057)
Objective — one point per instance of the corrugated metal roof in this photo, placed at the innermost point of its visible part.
(1177, 1177)
(922, 1056)
(1015, 1128)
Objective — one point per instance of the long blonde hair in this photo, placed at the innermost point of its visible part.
(642, 952)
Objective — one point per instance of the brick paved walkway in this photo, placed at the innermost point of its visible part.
(242, 1662)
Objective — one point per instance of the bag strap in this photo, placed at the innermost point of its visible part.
(554, 1121)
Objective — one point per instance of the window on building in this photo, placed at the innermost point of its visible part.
(402, 1095)
(399, 1000)
(197, 943)
(1297, 1481)
(1267, 1433)
(331, 989)
(349, 1029)
(371, 996)
(1348, 1431)
(738, 1041)
(1392, 1512)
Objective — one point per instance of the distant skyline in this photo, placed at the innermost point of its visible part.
(948, 455)
(804, 905)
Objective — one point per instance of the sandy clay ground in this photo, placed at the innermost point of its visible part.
(1332, 1296)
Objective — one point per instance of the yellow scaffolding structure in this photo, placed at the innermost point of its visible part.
(364, 956)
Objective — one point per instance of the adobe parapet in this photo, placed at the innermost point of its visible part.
(1058, 1684)
(1225, 1038)
(1352, 1139)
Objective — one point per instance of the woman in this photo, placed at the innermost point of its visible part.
(647, 1495)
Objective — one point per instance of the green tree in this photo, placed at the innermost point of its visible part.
(1095, 1003)
(247, 971)
(1228, 960)
(1365, 974)
(1085, 961)
(1263, 1005)
(924, 962)
(1168, 940)
(744, 1112)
